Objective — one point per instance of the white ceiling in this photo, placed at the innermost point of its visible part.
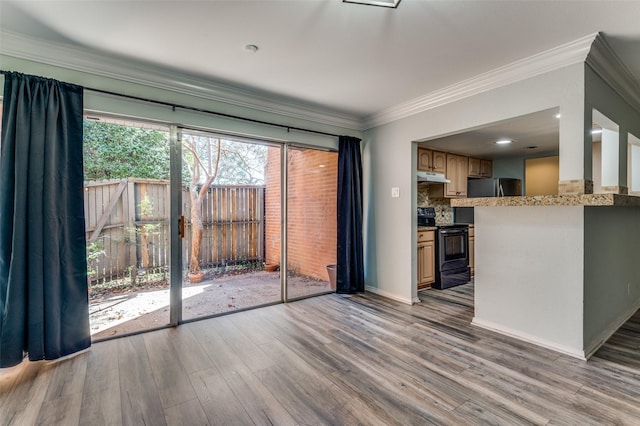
(532, 135)
(350, 59)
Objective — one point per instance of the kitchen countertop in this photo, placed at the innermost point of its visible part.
(433, 228)
(550, 200)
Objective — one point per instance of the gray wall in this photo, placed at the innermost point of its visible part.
(599, 95)
(612, 276)
(529, 274)
(512, 167)
(390, 161)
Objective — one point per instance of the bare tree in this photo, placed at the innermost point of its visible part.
(198, 190)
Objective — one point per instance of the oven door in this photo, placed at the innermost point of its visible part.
(453, 248)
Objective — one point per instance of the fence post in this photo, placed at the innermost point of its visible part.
(131, 223)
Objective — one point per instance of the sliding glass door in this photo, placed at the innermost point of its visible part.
(231, 211)
(226, 198)
(312, 181)
(127, 213)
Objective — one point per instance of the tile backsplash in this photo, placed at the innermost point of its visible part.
(444, 213)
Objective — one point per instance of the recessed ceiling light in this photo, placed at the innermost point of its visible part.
(504, 141)
(596, 131)
(383, 3)
(251, 48)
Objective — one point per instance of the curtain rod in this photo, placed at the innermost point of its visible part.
(206, 111)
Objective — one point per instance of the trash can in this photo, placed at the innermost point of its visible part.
(331, 270)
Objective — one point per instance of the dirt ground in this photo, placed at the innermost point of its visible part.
(124, 312)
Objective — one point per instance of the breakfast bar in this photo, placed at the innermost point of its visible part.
(560, 270)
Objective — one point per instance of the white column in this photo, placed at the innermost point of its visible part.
(610, 158)
(634, 164)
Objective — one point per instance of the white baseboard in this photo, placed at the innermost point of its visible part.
(609, 331)
(388, 295)
(488, 325)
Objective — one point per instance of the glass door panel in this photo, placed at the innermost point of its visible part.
(311, 221)
(127, 205)
(231, 210)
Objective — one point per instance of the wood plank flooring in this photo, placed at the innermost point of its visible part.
(331, 360)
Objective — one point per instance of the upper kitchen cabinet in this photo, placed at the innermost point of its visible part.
(431, 161)
(457, 168)
(439, 162)
(479, 167)
(457, 171)
(425, 160)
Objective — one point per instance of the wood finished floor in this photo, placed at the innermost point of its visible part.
(331, 360)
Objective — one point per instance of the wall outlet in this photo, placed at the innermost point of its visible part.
(395, 192)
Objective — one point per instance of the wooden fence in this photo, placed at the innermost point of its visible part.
(127, 225)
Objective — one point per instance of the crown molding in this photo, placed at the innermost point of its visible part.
(608, 66)
(544, 62)
(592, 49)
(85, 60)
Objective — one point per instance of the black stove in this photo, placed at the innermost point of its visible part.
(426, 216)
(452, 250)
(452, 256)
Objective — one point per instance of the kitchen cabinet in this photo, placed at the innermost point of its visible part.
(472, 243)
(439, 162)
(425, 160)
(486, 168)
(426, 259)
(457, 171)
(432, 161)
(479, 167)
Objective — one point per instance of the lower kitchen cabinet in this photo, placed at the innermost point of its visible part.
(426, 259)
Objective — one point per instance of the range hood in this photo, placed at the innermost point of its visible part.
(430, 177)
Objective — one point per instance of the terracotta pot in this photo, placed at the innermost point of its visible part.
(271, 267)
(195, 277)
(331, 271)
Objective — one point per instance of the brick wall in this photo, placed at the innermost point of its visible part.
(272, 206)
(313, 180)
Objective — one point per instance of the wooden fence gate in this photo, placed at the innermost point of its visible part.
(127, 226)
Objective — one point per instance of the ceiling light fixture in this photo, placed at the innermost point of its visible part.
(382, 3)
(251, 48)
(504, 141)
(558, 115)
(596, 131)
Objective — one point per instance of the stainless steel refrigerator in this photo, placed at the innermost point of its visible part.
(494, 187)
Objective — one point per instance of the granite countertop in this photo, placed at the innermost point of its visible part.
(433, 228)
(550, 200)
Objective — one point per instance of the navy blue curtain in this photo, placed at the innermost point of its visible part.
(43, 274)
(350, 265)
